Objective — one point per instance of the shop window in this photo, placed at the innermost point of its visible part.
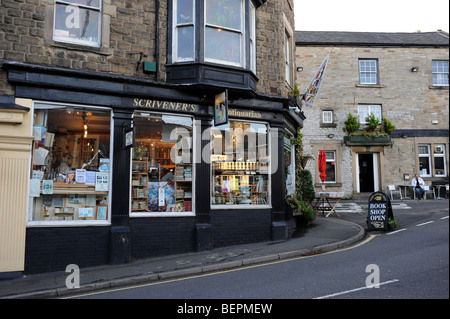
(289, 164)
(77, 21)
(161, 172)
(240, 164)
(70, 173)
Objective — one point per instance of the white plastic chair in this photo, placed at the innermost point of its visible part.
(394, 190)
(428, 190)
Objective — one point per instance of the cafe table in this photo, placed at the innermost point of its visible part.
(327, 202)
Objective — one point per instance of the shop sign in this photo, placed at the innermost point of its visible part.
(379, 204)
(165, 105)
(245, 113)
(221, 108)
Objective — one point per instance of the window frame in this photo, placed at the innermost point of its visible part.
(438, 72)
(360, 72)
(240, 32)
(333, 160)
(287, 57)
(269, 175)
(247, 34)
(439, 155)
(62, 39)
(425, 155)
(327, 117)
(74, 223)
(136, 214)
(363, 121)
(176, 27)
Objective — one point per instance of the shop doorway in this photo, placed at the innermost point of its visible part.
(368, 180)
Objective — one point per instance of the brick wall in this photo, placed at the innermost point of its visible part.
(128, 27)
(52, 249)
(161, 236)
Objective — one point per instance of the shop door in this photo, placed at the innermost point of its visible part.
(366, 173)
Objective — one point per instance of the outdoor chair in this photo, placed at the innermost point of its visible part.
(428, 190)
(395, 190)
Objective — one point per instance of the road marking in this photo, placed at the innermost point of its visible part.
(357, 289)
(444, 217)
(397, 231)
(425, 223)
(218, 272)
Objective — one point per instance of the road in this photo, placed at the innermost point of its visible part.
(411, 262)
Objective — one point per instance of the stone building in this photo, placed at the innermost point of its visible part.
(399, 76)
(111, 142)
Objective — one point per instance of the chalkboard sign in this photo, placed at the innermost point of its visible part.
(380, 210)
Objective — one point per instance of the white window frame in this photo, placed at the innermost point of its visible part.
(440, 68)
(252, 37)
(329, 160)
(327, 117)
(439, 155)
(371, 108)
(72, 223)
(362, 80)
(240, 32)
(78, 41)
(425, 155)
(175, 32)
(287, 57)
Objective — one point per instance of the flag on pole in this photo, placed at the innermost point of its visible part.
(310, 94)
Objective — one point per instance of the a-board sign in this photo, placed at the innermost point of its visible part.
(379, 211)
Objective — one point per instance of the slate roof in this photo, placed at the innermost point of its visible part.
(337, 38)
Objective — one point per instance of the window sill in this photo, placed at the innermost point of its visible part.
(376, 86)
(79, 47)
(438, 87)
(163, 214)
(67, 223)
(237, 206)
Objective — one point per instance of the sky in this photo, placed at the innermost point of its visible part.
(372, 16)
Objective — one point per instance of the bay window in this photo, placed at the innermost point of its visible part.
(221, 27)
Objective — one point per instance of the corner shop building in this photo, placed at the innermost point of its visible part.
(186, 185)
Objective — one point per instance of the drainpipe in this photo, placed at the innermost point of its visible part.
(157, 39)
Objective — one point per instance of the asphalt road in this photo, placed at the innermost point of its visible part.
(411, 262)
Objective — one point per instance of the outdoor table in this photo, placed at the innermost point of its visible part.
(322, 202)
(406, 187)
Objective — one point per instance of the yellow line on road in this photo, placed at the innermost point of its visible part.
(223, 271)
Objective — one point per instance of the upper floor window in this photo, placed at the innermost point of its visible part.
(287, 57)
(327, 117)
(440, 73)
(77, 21)
(368, 71)
(221, 26)
(364, 111)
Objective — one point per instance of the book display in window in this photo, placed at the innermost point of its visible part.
(240, 183)
(70, 170)
(139, 185)
(183, 187)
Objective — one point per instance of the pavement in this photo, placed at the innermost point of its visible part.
(323, 235)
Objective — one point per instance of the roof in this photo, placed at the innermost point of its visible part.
(337, 38)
